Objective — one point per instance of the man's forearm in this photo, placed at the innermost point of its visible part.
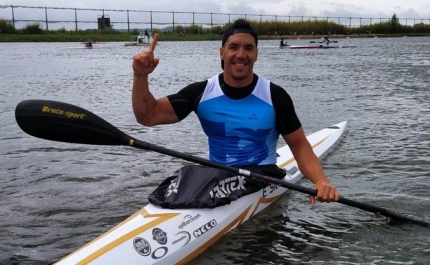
(310, 166)
(142, 99)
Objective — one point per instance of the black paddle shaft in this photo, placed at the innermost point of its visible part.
(58, 121)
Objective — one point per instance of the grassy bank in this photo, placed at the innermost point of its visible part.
(75, 37)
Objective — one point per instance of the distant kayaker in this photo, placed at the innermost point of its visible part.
(242, 114)
(283, 43)
(325, 41)
(146, 34)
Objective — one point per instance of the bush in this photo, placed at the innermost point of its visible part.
(32, 29)
(6, 28)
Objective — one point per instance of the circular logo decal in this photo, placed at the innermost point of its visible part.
(142, 246)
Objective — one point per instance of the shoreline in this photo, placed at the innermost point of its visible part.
(4, 38)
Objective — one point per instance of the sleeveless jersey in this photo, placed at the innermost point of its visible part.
(240, 132)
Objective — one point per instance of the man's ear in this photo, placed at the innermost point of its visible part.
(221, 53)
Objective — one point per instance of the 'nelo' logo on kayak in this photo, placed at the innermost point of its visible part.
(227, 186)
(183, 236)
(159, 235)
(142, 246)
(202, 230)
(188, 219)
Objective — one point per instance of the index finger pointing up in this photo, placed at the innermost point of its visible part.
(153, 43)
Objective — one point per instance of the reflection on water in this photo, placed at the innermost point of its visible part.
(57, 196)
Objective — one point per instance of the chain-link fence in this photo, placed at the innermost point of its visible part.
(52, 18)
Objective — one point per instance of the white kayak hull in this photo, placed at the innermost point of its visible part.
(321, 46)
(155, 235)
(136, 44)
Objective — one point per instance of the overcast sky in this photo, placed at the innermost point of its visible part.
(411, 9)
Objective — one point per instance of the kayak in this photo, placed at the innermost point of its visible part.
(155, 235)
(321, 46)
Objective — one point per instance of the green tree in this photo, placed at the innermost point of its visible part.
(394, 23)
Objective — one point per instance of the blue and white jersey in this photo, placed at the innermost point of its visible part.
(240, 132)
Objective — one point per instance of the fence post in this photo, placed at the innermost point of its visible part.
(76, 21)
(193, 18)
(150, 17)
(173, 29)
(128, 22)
(211, 21)
(13, 17)
(46, 18)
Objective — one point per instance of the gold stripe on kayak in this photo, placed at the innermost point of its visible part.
(265, 201)
(204, 246)
(161, 218)
(292, 159)
(238, 221)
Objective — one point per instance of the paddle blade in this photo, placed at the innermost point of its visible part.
(57, 121)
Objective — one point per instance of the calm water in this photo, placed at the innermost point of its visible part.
(55, 197)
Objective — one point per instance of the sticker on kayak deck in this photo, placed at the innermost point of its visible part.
(183, 238)
(159, 235)
(142, 246)
(159, 253)
(188, 219)
(204, 229)
(292, 170)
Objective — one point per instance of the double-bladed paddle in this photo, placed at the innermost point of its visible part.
(334, 41)
(58, 121)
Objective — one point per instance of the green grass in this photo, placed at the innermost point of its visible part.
(67, 37)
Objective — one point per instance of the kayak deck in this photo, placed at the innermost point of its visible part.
(154, 235)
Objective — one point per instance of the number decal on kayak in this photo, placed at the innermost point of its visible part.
(292, 171)
(269, 190)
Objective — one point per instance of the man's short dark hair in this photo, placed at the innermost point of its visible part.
(239, 26)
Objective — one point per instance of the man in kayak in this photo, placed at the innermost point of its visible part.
(241, 113)
(325, 41)
(283, 43)
(146, 34)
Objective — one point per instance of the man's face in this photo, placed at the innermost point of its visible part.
(239, 54)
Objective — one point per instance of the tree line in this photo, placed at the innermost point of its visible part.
(309, 27)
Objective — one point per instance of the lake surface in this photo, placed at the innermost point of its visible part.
(55, 197)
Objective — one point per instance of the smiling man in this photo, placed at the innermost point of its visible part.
(242, 114)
